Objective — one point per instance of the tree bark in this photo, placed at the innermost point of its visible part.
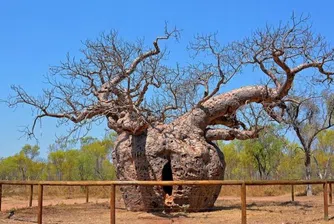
(308, 172)
(191, 157)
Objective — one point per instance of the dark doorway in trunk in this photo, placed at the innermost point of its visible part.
(167, 175)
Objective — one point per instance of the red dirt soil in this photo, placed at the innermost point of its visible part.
(276, 209)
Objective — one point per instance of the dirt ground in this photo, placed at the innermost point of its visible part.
(275, 209)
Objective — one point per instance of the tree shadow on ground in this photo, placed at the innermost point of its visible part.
(170, 215)
(253, 206)
(258, 206)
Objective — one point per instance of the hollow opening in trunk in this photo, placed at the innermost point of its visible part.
(167, 175)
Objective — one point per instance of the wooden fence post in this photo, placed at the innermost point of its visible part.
(325, 201)
(87, 194)
(112, 204)
(0, 196)
(31, 195)
(40, 203)
(330, 194)
(292, 192)
(243, 203)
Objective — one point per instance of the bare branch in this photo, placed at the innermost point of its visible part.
(230, 134)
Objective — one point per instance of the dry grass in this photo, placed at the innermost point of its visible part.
(104, 192)
(67, 192)
(261, 191)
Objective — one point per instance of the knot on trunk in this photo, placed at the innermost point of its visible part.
(129, 122)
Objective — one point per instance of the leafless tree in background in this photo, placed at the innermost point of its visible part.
(308, 118)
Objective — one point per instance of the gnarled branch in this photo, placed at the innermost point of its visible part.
(230, 134)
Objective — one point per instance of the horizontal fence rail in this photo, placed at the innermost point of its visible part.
(166, 183)
(327, 190)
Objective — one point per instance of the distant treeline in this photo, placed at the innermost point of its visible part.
(271, 156)
(91, 161)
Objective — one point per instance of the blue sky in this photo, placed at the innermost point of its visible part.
(38, 34)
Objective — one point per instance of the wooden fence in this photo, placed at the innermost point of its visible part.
(326, 192)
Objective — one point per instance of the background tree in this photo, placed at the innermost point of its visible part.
(57, 160)
(266, 151)
(92, 161)
(308, 118)
(323, 154)
(175, 126)
(23, 165)
(99, 153)
(269, 157)
(291, 164)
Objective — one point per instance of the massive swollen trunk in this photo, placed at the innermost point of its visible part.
(181, 150)
(168, 152)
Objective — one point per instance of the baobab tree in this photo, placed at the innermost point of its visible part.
(168, 118)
